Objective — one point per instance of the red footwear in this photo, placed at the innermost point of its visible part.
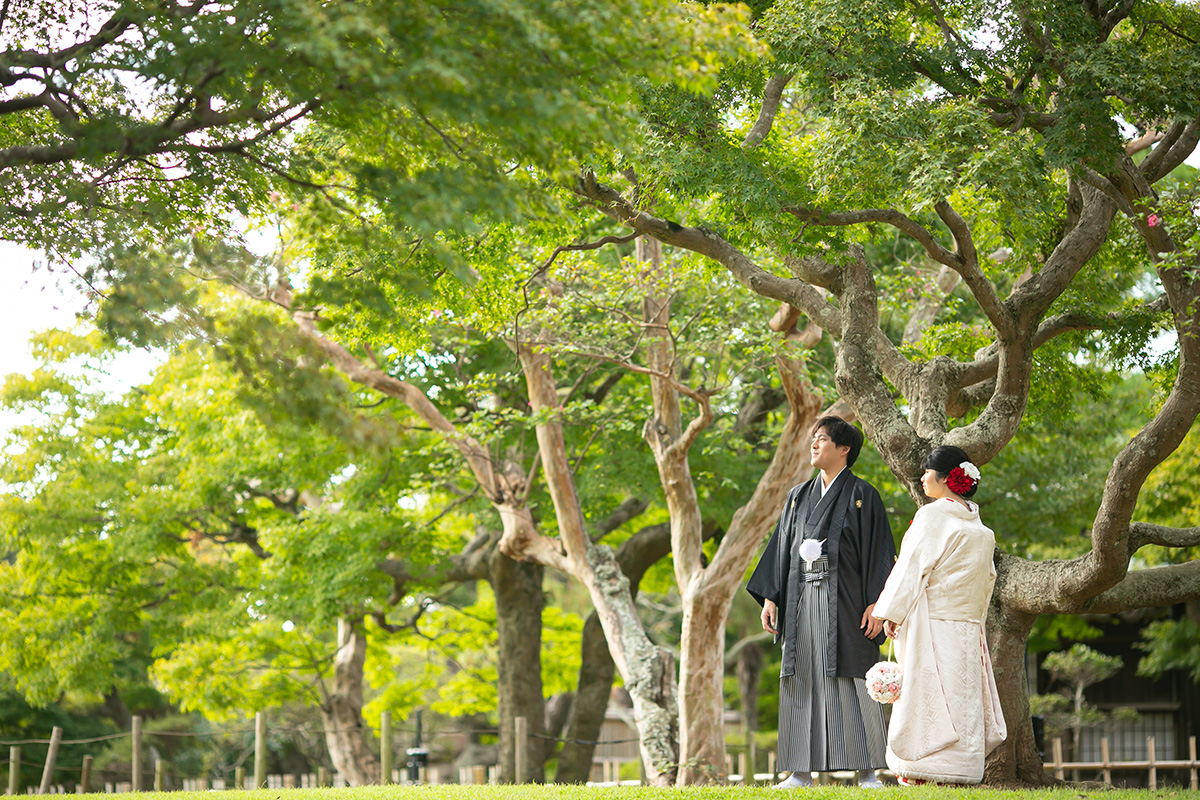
(903, 781)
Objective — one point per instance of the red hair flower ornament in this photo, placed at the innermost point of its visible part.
(963, 478)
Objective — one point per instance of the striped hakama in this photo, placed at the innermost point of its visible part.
(825, 723)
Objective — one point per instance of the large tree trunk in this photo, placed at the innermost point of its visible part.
(519, 604)
(1017, 760)
(341, 713)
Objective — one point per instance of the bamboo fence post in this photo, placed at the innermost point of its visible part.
(239, 778)
(752, 756)
(260, 750)
(136, 761)
(771, 764)
(14, 769)
(520, 745)
(160, 775)
(1150, 763)
(85, 778)
(385, 748)
(1107, 771)
(1057, 762)
(51, 757)
(322, 777)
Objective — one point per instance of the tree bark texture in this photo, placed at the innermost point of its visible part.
(519, 602)
(596, 669)
(341, 711)
(1017, 760)
(647, 670)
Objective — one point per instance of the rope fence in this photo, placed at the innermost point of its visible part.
(741, 762)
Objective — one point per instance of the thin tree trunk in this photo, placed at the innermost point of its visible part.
(596, 672)
(519, 604)
(341, 713)
(596, 669)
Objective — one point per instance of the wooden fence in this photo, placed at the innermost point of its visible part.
(744, 764)
(1106, 766)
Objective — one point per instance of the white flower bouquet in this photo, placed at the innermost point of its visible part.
(884, 681)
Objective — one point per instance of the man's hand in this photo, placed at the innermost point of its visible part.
(770, 617)
(870, 625)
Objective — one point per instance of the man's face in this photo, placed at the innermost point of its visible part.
(824, 454)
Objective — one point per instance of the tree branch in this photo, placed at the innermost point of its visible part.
(1148, 588)
(772, 94)
(1144, 533)
(968, 267)
(888, 216)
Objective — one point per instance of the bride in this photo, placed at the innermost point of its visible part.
(934, 605)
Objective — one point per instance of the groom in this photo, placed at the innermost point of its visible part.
(817, 581)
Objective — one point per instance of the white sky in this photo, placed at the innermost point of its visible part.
(33, 301)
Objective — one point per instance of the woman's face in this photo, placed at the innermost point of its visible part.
(933, 485)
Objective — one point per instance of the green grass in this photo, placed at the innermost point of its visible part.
(562, 792)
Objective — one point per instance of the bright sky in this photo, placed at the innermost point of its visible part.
(33, 301)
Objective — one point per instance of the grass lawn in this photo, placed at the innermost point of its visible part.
(562, 792)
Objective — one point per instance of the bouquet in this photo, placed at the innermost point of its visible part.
(884, 681)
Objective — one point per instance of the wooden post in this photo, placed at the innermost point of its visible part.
(480, 775)
(160, 775)
(239, 778)
(289, 781)
(14, 769)
(1192, 758)
(85, 778)
(1150, 762)
(752, 751)
(742, 760)
(51, 757)
(201, 784)
(1057, 762)
(520, 746)
(1107, 771)
(771, 764)
(260, 750)
(136, 778)
(385, 748)
(322, 777)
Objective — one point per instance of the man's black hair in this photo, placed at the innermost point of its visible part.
(843, 434)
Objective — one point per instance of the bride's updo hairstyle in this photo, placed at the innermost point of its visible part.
(947, 458)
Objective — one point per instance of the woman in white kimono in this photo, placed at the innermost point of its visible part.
(934, 606)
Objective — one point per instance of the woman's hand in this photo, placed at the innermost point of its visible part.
(890, 629)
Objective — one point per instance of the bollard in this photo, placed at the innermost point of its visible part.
(260, 750)
(85, 779)
(51, 757)
(14, 770)
(385, 748)
(520, 745)
(136, 778)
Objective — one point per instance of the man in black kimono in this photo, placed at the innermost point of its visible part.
(817, 581)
